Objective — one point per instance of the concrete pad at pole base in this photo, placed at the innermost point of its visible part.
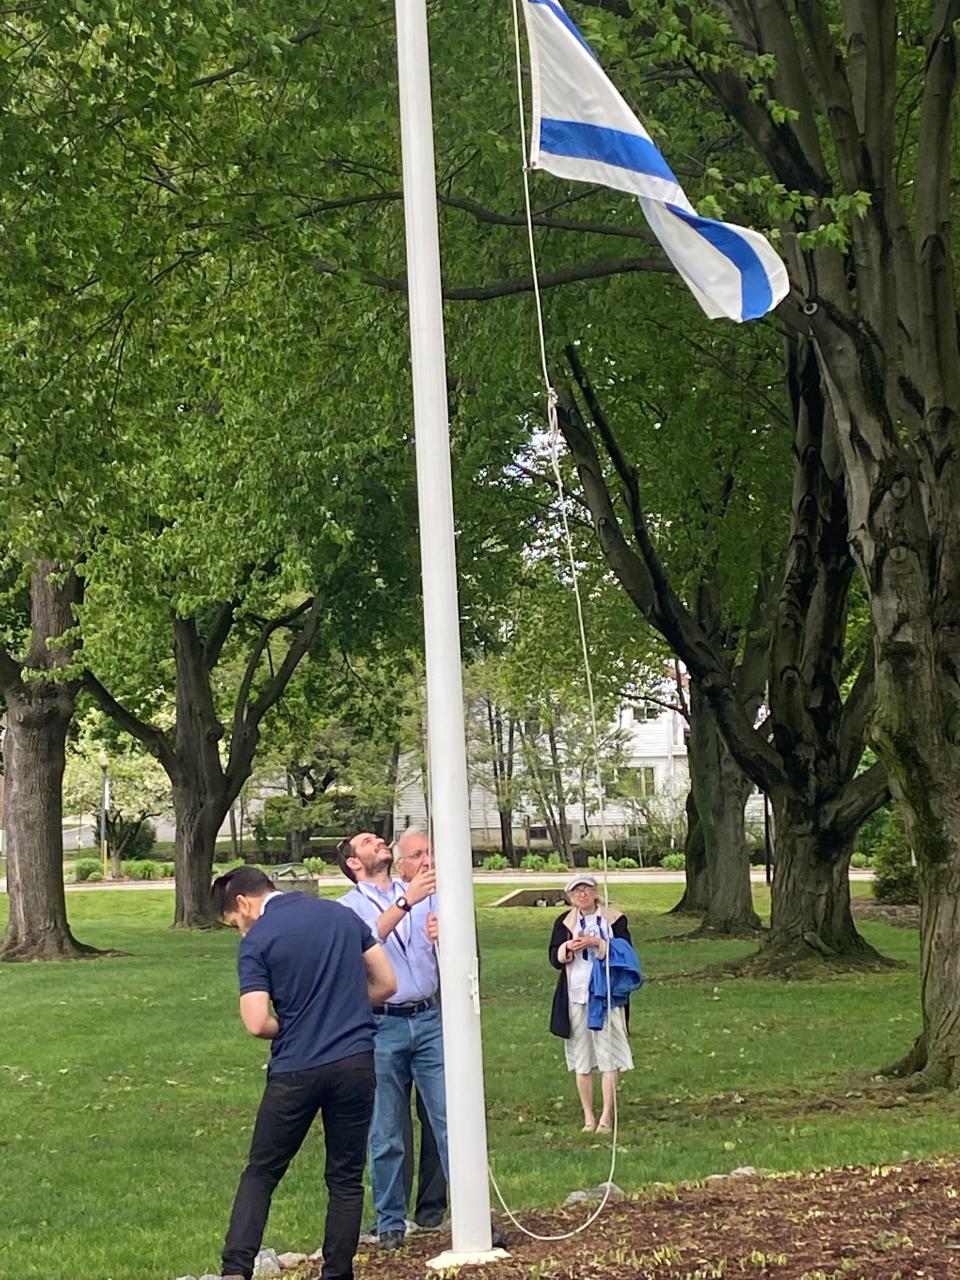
(450, 1258)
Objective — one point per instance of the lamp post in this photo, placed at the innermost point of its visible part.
(104, 807)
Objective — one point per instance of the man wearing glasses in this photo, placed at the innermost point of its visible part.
(408, 1042)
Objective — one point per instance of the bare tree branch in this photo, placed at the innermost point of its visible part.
(507, 288)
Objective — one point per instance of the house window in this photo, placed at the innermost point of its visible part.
(538, 833)
(648, 780)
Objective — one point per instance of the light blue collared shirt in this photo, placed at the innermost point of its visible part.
(413, 957)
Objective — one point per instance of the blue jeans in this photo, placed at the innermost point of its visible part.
(404, 1049)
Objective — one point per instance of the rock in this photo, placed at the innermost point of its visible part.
(267, 1263)
(186, 1278)
(745, 1171)
(595, 1193)
(289, 1260)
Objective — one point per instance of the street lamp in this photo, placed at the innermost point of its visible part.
(104, 807)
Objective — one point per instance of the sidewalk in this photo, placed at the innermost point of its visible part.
(553, 880)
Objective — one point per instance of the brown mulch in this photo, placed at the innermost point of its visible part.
(904, 917)
(880, 1223)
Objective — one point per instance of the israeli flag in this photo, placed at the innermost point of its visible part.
(584, 130)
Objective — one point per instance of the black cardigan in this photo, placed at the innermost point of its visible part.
(560, 1013)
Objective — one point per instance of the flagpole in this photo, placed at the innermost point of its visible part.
(463, 1059)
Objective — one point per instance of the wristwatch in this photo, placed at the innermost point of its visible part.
(403, 904)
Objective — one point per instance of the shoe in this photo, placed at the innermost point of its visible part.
(589, 1128)
(497, 1238)
(604, 1128)
(429, 1222)
(391, 1240)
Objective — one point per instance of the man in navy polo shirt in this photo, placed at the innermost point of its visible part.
(321, 969)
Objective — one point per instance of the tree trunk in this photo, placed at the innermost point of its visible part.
(38, 714)
(696, 894)
(563, 827)
(198, 819)
(506, 836)
(810, 902)
(720, 789)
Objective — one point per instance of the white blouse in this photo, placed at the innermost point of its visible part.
(581, 966)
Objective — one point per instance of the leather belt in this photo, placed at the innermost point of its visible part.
(407, 1010)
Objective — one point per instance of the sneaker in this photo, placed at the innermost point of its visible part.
(391, 1240)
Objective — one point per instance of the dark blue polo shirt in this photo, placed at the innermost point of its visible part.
(307, 954)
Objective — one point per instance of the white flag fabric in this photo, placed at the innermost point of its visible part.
(584, 130)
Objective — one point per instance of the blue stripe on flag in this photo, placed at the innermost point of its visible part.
(609, 146)
(567, 21)
(754, 281)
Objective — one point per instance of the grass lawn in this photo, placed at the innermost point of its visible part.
(128, 1088)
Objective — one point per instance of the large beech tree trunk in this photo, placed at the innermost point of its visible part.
(720, 788)
(810, 908)
(39, 708)
(696, 893)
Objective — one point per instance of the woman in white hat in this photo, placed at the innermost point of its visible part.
(580, 936)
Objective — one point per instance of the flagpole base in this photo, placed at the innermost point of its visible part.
(451, 1258)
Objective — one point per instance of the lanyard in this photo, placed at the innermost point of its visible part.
(380, 909)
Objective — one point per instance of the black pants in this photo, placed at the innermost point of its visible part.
(343, 1094)
(431, 1184)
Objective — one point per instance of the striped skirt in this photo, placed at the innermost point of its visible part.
(604, 1050)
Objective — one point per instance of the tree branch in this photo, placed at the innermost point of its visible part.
(247, 716)
(862, 795)
(507, 288)
(153, 738)
(644, 580)
(217, 635)
(856, 712)
(10, 670)
(218, 77)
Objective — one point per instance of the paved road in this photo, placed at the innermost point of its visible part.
(528, 879)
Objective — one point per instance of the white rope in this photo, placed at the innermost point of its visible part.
(588, 672)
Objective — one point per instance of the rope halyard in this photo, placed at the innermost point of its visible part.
(554, 439)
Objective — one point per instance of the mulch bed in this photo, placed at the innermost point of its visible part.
(880, 1223)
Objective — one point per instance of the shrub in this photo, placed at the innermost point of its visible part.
(316, 866)
(532, 862)
(87, 869)
(555, 863)
(860, 860)
(142, 869)
(495, 862)
(673, 861)
(141, 845)
(594, 863)
(628, 864)
(894, 876)
(94, 875)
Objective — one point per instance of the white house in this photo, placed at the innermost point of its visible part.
(656, 748)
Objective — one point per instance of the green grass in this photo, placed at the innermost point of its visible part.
(128, 1089)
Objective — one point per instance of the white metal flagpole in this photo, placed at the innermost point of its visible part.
(466, 1119)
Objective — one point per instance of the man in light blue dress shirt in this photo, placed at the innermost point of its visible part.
(408, 1042)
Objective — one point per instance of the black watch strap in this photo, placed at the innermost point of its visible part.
(403, 904)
